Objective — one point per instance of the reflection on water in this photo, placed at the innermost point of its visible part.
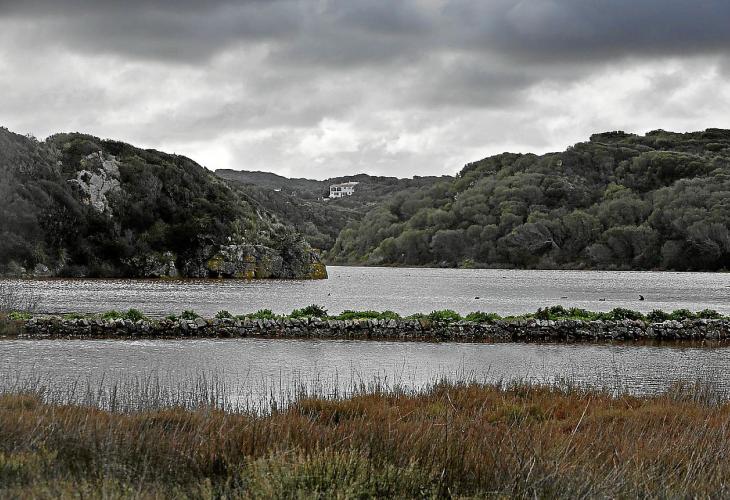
(404, 290)
(255, 366)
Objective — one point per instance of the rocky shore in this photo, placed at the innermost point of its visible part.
(415, 329)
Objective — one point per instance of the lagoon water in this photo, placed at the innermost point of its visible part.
(255, 366)
(404, 290)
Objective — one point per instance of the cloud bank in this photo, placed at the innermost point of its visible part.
(320, 88)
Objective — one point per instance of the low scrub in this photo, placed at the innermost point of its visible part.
(442, 316)
(450, 440)
(313, 311)
(353, 315)
(131, 314)
(445, 315)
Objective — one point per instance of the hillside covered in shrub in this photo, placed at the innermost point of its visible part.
(76, 205)
(618, 201)
(303, 203)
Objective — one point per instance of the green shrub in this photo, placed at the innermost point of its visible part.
(560, 312)
(189, 315)
(171, 317)
(389, 315)
(681, 314)
(261, 314)
(619, 314)
(445, 315)
(582, 314)
(73, 316)
(482, 317)
(708, 314)
(554, 312)
(19, 316)
(134, 315)
(223, 315)
(417, 316)
(657, 316)
(112, 315)
(313, 311)
(345, 315)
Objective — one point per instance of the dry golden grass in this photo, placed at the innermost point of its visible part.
(459, 440)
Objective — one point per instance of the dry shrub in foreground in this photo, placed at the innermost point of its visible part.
(452, 440)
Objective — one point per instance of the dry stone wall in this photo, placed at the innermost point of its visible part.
(507, 330)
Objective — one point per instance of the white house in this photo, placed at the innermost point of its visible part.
(344, 189)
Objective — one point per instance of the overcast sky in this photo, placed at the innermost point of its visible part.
(318, 88)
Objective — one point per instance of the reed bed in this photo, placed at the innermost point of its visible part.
(466, 439)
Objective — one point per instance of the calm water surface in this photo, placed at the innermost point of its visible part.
(403, 290)
(251, 365)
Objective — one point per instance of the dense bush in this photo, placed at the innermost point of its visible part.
(482, 317)
(657, 316)
(352, 315)
(313, 311)
(619, 201)
(134, 315)
(445, 315)
(261, 314)
(131, 314)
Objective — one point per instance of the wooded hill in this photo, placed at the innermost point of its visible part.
(76, 205)
(302, 203)
(618, 201)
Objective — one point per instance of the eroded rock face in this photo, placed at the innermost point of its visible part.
(155, 265)
(99, 178)
(259, 262)
(245, 261)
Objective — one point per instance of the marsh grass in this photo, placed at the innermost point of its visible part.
(146, 439)
(16, 299)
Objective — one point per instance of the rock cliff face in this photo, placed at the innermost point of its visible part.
(79, 206)
(99, 178)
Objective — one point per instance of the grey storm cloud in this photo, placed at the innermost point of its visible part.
(408, 87)
(330, 30)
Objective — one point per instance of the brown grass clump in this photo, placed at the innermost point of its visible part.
(453, 440)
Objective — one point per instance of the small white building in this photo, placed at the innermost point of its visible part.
(344, 189)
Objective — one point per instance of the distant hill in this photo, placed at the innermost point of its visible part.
(302, 203)
(618, 201)
(77, 205)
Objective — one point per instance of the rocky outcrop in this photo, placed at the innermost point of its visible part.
(98, 178)
(155, 265)
(244, 261)
(415, 329)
